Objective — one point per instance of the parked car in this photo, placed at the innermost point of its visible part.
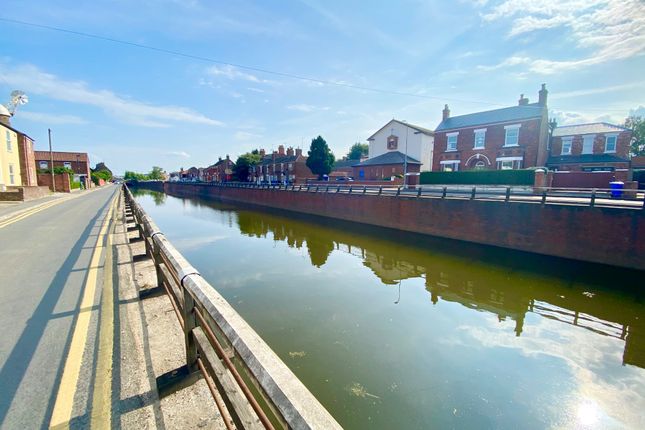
(345, 179)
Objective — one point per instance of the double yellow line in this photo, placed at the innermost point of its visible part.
(101, 405)
(32, 211)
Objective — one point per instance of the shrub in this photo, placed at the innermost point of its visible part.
(480, 177)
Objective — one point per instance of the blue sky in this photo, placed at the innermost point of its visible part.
(133, 108)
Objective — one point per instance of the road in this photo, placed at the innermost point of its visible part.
(51, 280)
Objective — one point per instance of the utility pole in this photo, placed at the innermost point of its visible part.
(51, 159)
(405, 159)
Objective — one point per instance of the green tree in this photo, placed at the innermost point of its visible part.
(320, 160)
(243, 163)
(357, 151)
(156, 174)
(637, 125)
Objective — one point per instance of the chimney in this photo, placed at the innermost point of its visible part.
(542, 94)
(523, 101)
(227, 157)
(274, 154)
(281, 150)
(262, 153)
(290, 151)
(298, 152)
(446, 112)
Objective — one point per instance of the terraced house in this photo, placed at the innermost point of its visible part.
(515, 137)
(281, 166)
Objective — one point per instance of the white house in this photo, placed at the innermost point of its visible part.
(417, 142)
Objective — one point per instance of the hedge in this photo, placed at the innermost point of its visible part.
(480, 177)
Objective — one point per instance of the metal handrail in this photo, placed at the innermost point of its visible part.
(200, 310)
(593, 197)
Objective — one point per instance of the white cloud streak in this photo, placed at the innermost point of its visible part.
(35, 81)
(233, 73)
(181, 154)
(50, 118)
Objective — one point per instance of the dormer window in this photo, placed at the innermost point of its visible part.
(566, 146)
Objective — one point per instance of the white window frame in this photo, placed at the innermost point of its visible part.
(9, 146)
(607, 137)
(43, 163)
(453, 163)
(448, 136)
(569, 142)
(589, 138)
(67, 164)
(516, 128)
(516, 163)
(480, 133)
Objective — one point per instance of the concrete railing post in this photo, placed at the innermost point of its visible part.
(592, 200)
(508, 194)
(380, 190)
(473, 193)
(444, 192)
(190, 322)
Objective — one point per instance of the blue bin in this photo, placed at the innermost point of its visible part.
(616, 189)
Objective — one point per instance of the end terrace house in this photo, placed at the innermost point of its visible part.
(514, 137)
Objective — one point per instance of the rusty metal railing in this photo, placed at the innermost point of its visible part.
(256, 388)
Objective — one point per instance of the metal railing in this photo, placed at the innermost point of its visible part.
(599, 197)
(257, 388)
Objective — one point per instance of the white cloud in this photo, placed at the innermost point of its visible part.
(639, 111)
(50, 118)
(612, 29)
(306, 108)
(182, 154)
(233, 73)
(592, 91)
(34, 81)
(245, 135)
(574, 117)
(510, 61)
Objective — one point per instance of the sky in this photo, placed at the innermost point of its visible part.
(199, 79)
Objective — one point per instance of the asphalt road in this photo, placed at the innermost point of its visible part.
(44, 268)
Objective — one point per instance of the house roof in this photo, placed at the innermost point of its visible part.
(62, 156)
(392, 157)
(513, 113)
(15, 129)
(586, 158)
(591, 128)
(268, 159)
(339, 164)
(415, 127)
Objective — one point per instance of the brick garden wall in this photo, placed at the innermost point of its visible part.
(600, 235)
(62, 182)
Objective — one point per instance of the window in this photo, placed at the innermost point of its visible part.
(566, 146)
(9, 148)
(42, 164)
(290, 166)
(67, 165)
(480, 138)
(480, 165)
(587, 144)
(449, 165)
(508, 163)
(12, 179)
(512, 135)
(610, 143)
(451, 144)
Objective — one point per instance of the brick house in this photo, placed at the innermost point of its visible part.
(384, 166)
(515, 137)
(590, 148)
(222, 171)
(78, 162)
(413, 140)
(27, 160)
(281, 166)
(191, 175)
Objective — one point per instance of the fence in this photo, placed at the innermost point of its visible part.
(483, 177)
(258, 389)
(595, 197)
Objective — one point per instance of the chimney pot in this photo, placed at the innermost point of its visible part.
(523, 101)
(298, 152)
(542, 95)
(446, 112)
(281, 149)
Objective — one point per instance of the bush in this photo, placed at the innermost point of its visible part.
(74, 185)
(480, 177)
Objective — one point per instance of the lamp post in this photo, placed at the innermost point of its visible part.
(405, 159)
(51, 159)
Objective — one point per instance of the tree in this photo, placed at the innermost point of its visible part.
(320, 160)
(156, 174)
(243, 163)
(357, 151)
(637, 125)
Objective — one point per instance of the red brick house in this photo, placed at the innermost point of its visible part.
(79, 162)
(515, 137)
(222, 171)
(27, 160)
(281, 166)
(384, 166)
(590, 148)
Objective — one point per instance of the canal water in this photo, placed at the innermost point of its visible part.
(391, 330)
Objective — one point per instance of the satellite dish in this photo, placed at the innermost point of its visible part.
(18, 98)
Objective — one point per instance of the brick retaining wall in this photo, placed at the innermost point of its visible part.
(600, 235)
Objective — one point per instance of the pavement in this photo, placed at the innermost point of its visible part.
(73, 353)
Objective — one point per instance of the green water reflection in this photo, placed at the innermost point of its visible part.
(394, 330)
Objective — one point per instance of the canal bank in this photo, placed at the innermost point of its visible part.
(395, 330)
(594, 234)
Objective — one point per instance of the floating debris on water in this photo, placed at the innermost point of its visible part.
(356, 389)
(297, 354)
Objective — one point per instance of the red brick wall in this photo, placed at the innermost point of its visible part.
(529, 141)
(622, 145)
(27, 161)
(601, 235)
(62, 182)
(379, 173)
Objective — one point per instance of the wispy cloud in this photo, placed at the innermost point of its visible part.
(233, 73)
(612, 29)
(35, 81)
(307, 108)
(593, 91)
(49, 118)
(182, 154)
(245, 135)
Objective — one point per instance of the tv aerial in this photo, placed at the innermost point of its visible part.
(17, 98)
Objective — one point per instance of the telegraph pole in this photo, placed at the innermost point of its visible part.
(51, 159)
